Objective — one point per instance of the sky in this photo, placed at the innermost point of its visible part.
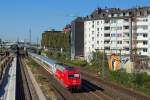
(17, 17)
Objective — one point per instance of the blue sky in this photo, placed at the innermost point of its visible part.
(18, 16)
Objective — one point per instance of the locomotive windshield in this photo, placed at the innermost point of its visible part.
(73, 76)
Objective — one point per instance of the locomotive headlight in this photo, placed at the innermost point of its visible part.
(76, 75)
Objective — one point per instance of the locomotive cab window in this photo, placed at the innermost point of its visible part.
(74, 76)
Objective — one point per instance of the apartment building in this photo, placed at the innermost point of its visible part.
(77, 38)
(112, 29)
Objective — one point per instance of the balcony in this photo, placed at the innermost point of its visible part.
(107, 31)
(141, 38)
(139, 30)
(107, 44)
(141, 45)
(107, 38)
(142, 23)
(126, 45)
(126, 30)
(126, 23)
(107, 24)
(126, 38)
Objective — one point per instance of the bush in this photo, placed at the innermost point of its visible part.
(98, 59)
(140, 81)
(79, 62)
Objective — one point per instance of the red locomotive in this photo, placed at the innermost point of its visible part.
(68, 76)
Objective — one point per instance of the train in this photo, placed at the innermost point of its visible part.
(68, 76)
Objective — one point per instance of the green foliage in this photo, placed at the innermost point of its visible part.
(65, 58)
(82, 63)
(32, 64)
(98, 61)
(139, 81)
(55, 40)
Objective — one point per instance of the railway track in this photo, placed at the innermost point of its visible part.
(114, 90)
(97, 89)
(88, 91)
(24, 86)
(60, 92)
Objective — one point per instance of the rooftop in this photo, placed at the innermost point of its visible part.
(105, 13)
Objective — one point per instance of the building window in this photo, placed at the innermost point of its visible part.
(113, 21)
(107, 28)
(97, 29)
(112, 15)
(144, 42)
(92, 32)
(119, 28)
(119, 42)
(92, 38)
(106, 35)
(97, 42)
(127, 49)
(92, 45)
(116, 28)
(124, 14)
(145, 20)
(126, 20)
(126, 27)
(145, 50)
(92, 26)
(126, 35)
(107, 21)
(145, 27)
(97, 22)
(107, 48)
(119, 35)
(144, 35)
(97, 35)
(106, 41)
(113, 35)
